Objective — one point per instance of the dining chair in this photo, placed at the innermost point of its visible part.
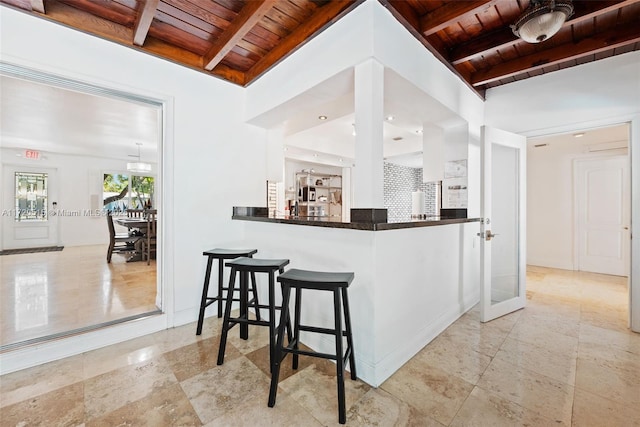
(149, 239)
(119, 242)
(135, 213)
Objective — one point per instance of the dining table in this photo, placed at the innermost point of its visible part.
(137, 227)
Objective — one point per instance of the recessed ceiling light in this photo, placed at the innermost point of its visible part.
(315, 155)
(390, 118)
(322, 117)
(578, 135)
(340, 160)
(285, 149)
(419, 131)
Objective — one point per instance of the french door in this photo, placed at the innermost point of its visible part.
(503, 255)
(29, 217)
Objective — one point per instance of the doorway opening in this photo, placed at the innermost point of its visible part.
(59, 140)
(578, 219)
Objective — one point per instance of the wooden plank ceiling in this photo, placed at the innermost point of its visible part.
(239, 40)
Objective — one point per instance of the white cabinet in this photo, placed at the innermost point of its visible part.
(319, 195)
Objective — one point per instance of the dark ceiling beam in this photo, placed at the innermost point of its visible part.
(143, 22)
(621, 35)
(252, 12)
(323, 16)
(450, 13)
(503, 37)
(87, 22)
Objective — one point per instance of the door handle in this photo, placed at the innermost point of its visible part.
(487, 235)
(490, 235)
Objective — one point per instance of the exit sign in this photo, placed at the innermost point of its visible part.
(31, 154)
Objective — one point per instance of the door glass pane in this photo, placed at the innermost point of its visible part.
(504, 224)
(31, 196)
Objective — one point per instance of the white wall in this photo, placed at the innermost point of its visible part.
(212, 159)
(596, 93)
(347, 42)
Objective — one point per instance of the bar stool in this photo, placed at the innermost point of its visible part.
(245, 266)
(221, 255)
(337, 283)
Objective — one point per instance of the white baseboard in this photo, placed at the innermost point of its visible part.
(550, 263)
(375, 373)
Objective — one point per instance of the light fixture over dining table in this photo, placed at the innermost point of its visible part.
(542, 19)
(138, 166)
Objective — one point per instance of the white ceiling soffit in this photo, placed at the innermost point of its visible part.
(410, 107)
(55, 119)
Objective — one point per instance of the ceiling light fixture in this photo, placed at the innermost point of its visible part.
(390, 118)
(322, 117)
(138, 166)
(578, 135)
(419, 131)
(542, 19)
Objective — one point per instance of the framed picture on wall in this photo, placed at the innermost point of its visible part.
(455, 169)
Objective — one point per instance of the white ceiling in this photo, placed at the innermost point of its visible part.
(54, 119)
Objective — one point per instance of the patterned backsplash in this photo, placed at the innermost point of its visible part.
(399, 183)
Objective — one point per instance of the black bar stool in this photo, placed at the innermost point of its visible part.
(324, 281)
(221, 255)
(245, 266)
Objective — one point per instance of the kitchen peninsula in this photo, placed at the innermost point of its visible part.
(412, 279)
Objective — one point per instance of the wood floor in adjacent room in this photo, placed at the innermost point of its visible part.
(49, 293)
(567, 359)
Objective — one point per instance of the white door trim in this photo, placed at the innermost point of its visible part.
(634, 278)
(34, 355)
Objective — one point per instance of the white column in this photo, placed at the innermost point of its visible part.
(368, 174)
(275, 154)
(275, 164)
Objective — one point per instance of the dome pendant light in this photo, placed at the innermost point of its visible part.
(542, 19)
(140, 167)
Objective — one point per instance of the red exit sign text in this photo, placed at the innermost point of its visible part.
(31, 154)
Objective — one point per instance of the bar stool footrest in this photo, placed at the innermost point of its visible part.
(327, 331)
(289, 349)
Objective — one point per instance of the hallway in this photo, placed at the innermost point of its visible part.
(566, 359)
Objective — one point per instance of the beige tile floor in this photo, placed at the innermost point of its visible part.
(566, 359)
(41, 292)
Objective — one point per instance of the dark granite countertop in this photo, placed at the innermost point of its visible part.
(260, 216)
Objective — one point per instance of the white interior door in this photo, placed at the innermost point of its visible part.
(503, 236)
(602, 211)
(29, 218)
